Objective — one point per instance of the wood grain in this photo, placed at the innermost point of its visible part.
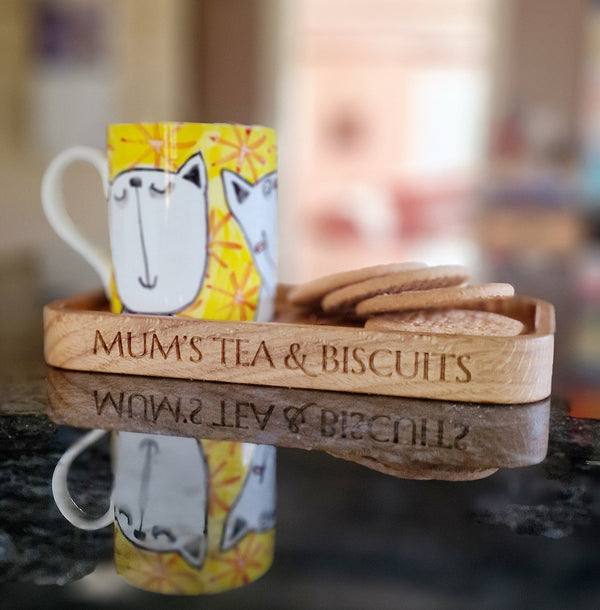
(81, 334)
(409, 438)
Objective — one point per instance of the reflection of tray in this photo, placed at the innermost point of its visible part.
(404, 437)
(294, 351)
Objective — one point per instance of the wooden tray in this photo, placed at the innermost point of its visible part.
(81, 334)
(404, 437)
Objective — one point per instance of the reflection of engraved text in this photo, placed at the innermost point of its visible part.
(295, 416)
(242, 414)
(148, 407)
(311, 420)
(398, 430)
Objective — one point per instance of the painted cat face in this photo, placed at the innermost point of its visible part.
(254, 509)
(159, 232)
(161, 494)
(254, 206)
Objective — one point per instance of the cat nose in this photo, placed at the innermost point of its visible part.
(135, 182)
(139, 535)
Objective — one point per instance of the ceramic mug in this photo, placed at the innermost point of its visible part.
(190, 516)
(192, 213)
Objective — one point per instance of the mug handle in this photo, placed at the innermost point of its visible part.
(60, 489)
(53, 204)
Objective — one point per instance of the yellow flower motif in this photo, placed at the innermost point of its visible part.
(216, 226)
(240, 301)
(245, 151)
(218, 488)
(161, 572)
(229, 448)
(248, 560)
(159, 143)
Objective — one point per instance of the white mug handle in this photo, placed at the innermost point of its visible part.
(60, 489)
(53, 204)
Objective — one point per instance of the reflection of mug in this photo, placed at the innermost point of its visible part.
(192, 218)
(190, 516)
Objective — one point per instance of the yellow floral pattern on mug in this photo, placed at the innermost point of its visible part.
(232, 284)
(169, 573)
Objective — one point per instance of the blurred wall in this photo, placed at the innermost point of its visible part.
(207, 60)
(153, 44)
(539, 59)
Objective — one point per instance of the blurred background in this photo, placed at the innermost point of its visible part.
(448, 131)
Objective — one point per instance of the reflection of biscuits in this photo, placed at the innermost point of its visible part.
(393, 283)
(448, 321)
(315, 290)
(424, 472)
(431, 299)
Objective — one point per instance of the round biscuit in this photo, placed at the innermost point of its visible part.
(314, 290)
(436, 298)
(394, 283)
(448, 321)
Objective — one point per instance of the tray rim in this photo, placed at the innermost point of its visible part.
(544, 317)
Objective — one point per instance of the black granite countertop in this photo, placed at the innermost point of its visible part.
(347, 536)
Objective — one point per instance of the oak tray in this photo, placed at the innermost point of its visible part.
(304, 351)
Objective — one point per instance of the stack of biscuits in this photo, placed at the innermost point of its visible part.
(409, 297)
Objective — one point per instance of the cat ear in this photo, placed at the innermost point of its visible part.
(194, 170)
(234, 532)
(237, 189)
(194, 551)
